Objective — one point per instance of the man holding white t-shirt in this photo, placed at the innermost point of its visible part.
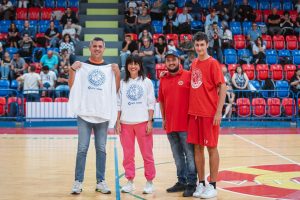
(88, 118)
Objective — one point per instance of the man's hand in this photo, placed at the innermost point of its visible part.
(76, 65)
(149, 128)
(217, 119)
(115, 68)
(118, 127)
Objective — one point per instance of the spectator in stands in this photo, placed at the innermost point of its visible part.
(194, 9)
(227, 38)
(23, 3)
(274, 22)
(48, 78)
(50, 60)
(70, 16)
(240, 80)
(253, 33)
(184, 21)
(143, 5)
(210, 19)
(52, 35)
(148, 59)
(17, 66)
(130, 25)
(297, 6)
(245, 12)
(28, 30)
(13, 35)
(1, 49)
(26, 46)
(173, 5)
(5, 66)
(69, 30)
(132, 4)
(258, 51)
(286, 24)
(64, 60)
(170, 22)
(297, 25)
(227, 76)
(144, 33)
(268, 85)
(6, 10)
(31, 85)
(229, 102)
(129, 47)
(144, 21)
(188, 61)
(215, 36)
(185, 47)
(295, 81)
(222, 10)
(62, 88)
(160, 49)
(68, 44)
(172, 46)
(156, 12)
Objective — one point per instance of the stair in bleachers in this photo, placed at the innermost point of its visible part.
(101, 18)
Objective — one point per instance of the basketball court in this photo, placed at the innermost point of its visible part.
(38, 163)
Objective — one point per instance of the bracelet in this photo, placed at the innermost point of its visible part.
(73, 69)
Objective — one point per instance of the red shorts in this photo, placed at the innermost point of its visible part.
(201, 131)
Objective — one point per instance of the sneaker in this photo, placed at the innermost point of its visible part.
(129, 187)
(178, 187)
(209, 192)
(77, 188)
(189, 191)
(199, 190)
(103, 188)
(148, 189)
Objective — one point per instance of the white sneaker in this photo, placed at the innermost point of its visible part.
(149, 188)
(129, 187)
(199, 190)
(77, 188)
(209, 192)
(103, 188)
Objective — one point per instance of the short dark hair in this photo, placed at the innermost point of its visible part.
(137, 60)
(32, 68)
(97, 39)
(200, 36)
(45, 68)
(215, 23)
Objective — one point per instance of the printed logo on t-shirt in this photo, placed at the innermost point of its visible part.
(96, 78)
(134, 92)
(196, 81)
(180, 82)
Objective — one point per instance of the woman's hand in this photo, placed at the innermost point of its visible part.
(149, 128)
(118, 127)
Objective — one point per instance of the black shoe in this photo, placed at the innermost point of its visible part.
(189, 190)
(178, 187)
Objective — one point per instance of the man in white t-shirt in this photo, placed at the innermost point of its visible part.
(48, 79)
(31, 85)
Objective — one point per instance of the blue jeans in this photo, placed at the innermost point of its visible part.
(150, 70)
(4, 72)
(84, 133)
(183, 154)
(124, 56)
(62, 91)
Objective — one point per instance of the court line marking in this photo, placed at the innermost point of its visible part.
(117, 181)
(266, 149)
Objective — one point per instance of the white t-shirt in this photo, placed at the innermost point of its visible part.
(31, 82)
(135, 99)
(50, 77)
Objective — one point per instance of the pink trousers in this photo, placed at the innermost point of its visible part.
(127, 137)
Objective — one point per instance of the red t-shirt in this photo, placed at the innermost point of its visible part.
(206, 77)
(174, 94)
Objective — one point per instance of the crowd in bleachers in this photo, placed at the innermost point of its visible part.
(256, 42)
(37, 45)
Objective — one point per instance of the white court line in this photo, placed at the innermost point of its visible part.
(264, 148)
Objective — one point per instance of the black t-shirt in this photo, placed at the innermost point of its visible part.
(131, 47)
(245, 10)
(130, 19)
(171, 5)
(91, 63)
(274, 17)
(63, 75)
(160, 47)
(196, 8)
(220, 8)
(51, 33)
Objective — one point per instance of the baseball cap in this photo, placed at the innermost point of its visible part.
(171, 52)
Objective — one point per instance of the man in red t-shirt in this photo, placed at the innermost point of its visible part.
(174, 89)
(207, 96)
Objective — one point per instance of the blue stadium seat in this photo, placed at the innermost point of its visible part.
(11, 51)
(266, 94)
(61, 4)
(276, 4)
(235, 28)
(55, 49)
(19, 24)
(282, 88)
(204, 3)
(34, 24)
(75, 3)
(253, 4)
(284, 53)
(263, 5)
(196, 26)
(43, 25)
(14, 84)
(181, 3)
(157, 26)
(4, 26)
(4, 84)
(296, 57)
(287, 5)
(43, 50)
(246, 27)
(49, 3)
(230, 56)
(255, 83)
(243, 52)
(271, 57)
(14, 2)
